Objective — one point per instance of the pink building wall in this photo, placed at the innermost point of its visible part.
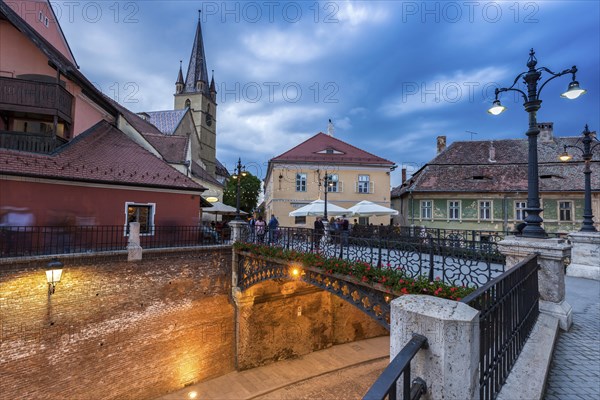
(19, 56)
(30, 11)
(95, 205)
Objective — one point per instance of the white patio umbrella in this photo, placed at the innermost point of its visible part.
(317, 208)
(369, 209)
(219, 208)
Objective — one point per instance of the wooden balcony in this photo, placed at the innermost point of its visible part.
(31, 142)
(35, 97)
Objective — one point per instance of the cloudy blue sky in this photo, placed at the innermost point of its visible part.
(392, 75)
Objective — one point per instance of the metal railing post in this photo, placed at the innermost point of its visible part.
(431, 263)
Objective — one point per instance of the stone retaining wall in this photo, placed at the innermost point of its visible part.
(113, 329)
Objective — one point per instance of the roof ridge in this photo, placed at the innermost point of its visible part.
(345, 144)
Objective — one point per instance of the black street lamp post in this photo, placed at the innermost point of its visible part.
(240, 171)
(326, 183)
(532, 104)
(586, 152)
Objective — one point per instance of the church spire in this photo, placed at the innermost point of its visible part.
(213, 89)
(196, 80)
(179, 84)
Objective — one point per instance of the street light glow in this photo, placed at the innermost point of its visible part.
(574, 91)
(496, 108)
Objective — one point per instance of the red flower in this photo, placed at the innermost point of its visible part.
(364, 278)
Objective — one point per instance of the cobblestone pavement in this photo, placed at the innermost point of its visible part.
(575, 369)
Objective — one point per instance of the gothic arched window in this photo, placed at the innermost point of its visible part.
(188, 103)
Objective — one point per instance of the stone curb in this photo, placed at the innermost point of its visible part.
(527, 379)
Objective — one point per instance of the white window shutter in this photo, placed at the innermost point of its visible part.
(371, 187)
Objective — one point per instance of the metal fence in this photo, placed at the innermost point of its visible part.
(469, 263)
(23, 241)
(508, 308)
(387, 383)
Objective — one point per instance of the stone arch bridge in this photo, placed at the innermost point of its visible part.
(372, 299)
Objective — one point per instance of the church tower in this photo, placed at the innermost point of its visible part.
(196, 94)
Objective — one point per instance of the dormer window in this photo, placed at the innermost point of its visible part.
(330, 151)
(549, 176)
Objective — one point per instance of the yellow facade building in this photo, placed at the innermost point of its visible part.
(297, 177)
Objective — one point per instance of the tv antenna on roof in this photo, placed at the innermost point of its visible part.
(472, 133)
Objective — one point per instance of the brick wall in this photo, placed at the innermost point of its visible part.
(115, 330)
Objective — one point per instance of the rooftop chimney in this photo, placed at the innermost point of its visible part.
(546, 131)
(403, 175)
(492, 157)
(330, 128)
(441, 144)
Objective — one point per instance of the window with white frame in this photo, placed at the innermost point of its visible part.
(142, 213)
(300, 182)
(364, 184)
(426, 208)
(333, 183)
(485, 210)
(565, 211)
(520, 212)
(454, 209)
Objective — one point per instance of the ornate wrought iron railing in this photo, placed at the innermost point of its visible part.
(387, 383)
(508, 308)
(23, 241)
(405, 233)
(373, 300)
(468, 263)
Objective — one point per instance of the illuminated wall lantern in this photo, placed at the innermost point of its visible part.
(53, 274)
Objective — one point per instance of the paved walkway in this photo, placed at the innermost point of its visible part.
(260, 381)
(575, 369)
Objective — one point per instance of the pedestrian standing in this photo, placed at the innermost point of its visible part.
(273, 225)
(345, 228)
(260, 228)
(318, 233)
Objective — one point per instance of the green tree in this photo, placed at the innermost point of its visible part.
(249, 191)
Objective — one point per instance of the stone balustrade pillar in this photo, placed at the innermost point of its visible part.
(133, 245)
(450, 366)
(552, 256)
(585, 255)
(237, 228)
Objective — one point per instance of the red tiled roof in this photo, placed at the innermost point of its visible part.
(172, 148)
(310, 150)
(201, 173)
(137, 122)
(467, 167)
(101, 154)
